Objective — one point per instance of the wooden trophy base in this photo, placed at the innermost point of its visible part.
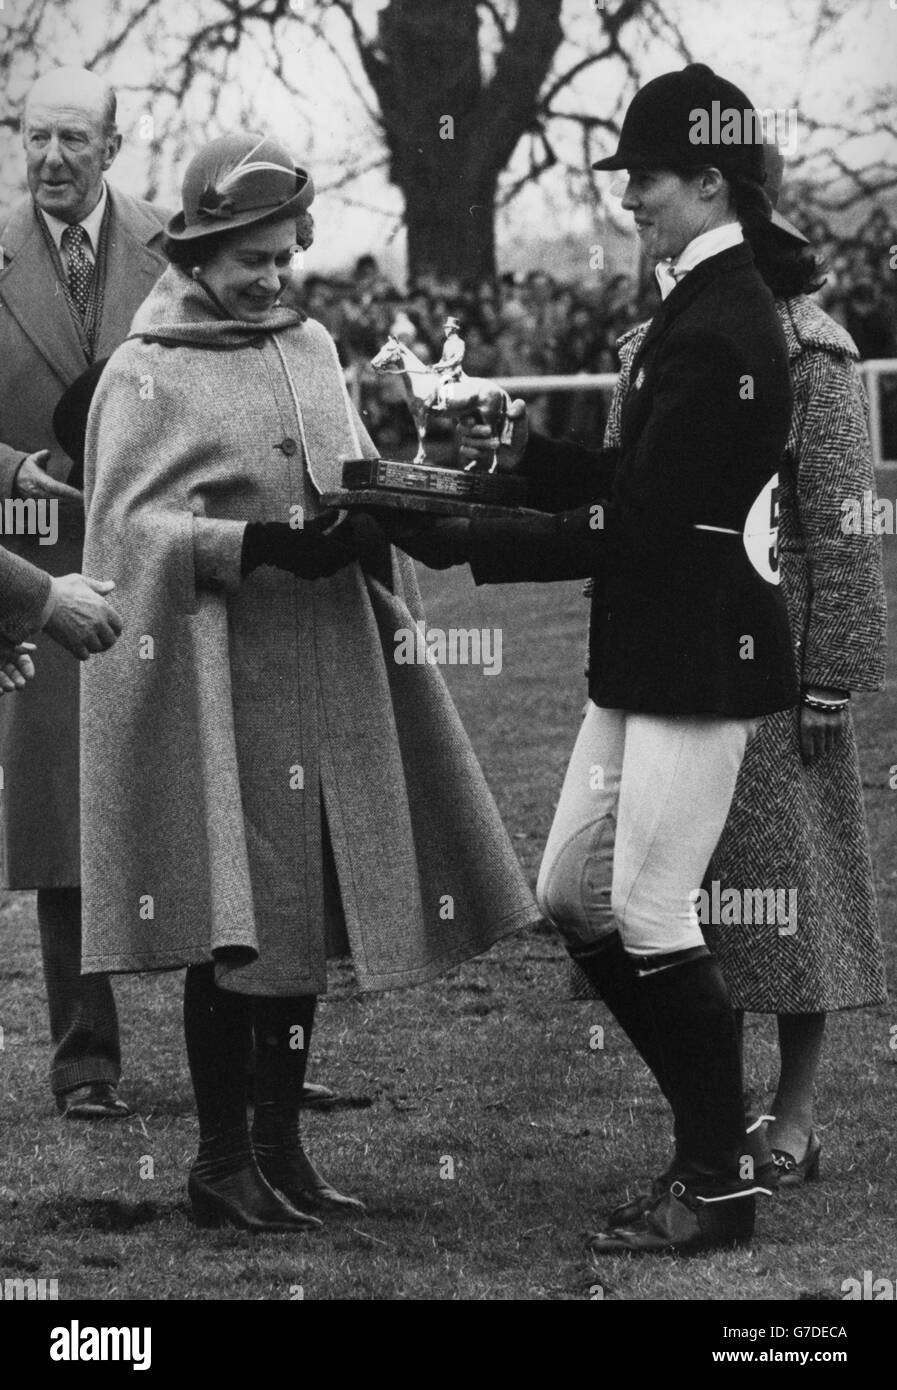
(415, 487)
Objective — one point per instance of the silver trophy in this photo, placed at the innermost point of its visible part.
(442, 389)
(445, 389)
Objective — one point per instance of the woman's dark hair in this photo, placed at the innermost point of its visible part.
(788, 267)
(185, 254)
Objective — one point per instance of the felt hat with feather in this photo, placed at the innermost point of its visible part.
(236, 181)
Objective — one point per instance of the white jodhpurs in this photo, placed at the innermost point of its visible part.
(644, 802)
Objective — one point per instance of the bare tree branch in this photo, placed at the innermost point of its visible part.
(572, 73)
(537, 167)
(113, 44)
(396, 78)
(498, 19)
(361, 95)
(355, 172)
(662, 26)
(508, 103)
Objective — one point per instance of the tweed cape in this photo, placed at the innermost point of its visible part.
(791, 826)
(204, 767)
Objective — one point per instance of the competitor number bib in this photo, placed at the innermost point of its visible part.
(761, 532)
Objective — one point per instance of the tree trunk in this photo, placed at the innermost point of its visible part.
(449, 134)
(451, 229)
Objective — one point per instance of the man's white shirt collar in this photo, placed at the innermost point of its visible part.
(91, 224)
(670, 272)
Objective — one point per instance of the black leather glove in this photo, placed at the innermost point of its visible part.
(362, 532)
(438, 542)
(306, 552)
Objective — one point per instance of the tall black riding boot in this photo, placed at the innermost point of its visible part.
(283, 1029)
(688, 1006)
(610, 971)
(706, 1204)
(225, 1186)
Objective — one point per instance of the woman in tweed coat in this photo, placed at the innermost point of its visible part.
(797, 823)
(263, 785)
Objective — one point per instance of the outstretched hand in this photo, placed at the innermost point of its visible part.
(477, 443)
(80, 619)
(32, 479)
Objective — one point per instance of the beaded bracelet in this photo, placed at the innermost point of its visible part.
(825, 706)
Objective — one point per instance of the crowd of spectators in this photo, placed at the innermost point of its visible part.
(861, 287)
(861, 293)
(534, 325)
(516, 325)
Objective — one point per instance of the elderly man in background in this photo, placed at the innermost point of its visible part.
(78, 259)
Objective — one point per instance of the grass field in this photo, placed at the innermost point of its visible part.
(491, 1068)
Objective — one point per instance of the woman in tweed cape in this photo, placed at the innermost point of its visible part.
(262, 783)
(797, 822)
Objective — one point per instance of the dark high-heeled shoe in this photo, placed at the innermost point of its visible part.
(794, 1174)
(247, 1200)
(302, 1185)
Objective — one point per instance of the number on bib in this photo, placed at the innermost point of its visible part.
(761, 532)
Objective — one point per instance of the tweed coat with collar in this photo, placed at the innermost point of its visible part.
(682, 621)
(206, 754)
(41, 355)
(793, 826)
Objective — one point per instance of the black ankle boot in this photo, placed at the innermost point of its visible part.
(243, 1198)
(287, 1167)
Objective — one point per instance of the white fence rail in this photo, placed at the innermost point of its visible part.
(871, 371)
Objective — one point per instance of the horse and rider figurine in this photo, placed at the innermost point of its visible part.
(445, 389)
